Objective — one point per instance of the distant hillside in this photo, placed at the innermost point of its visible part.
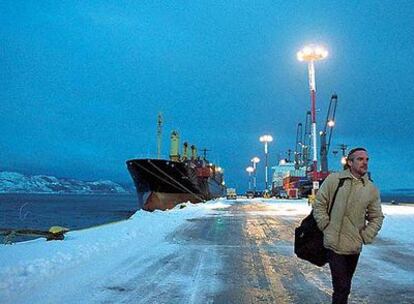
(12, 182)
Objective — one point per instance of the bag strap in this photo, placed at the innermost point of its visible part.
(340, 184)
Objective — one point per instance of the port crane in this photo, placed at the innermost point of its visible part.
(326, 133)
(303, 143)
(298, 147)
(306, 184)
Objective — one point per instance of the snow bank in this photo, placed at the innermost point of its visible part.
(26, 264)
(398, 223)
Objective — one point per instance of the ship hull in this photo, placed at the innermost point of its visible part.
(162, 184)
(164, 201)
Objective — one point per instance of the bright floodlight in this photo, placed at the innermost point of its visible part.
(331, 123)
(312, 53)
(255, 160)
(266, 138)
(343, 160)
(249, 169)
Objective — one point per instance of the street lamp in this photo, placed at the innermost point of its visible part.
(255, 160)
(266, 139)
(311, 54)
(250, 169)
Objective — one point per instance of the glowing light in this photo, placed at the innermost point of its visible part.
(343, 160)
(255, 160)
(331, 123)
(312, 53)
(249, 169)
(266, 138)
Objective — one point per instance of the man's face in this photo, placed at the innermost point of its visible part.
(358, 163)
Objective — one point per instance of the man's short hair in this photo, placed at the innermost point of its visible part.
(348, 157)
(353, 151)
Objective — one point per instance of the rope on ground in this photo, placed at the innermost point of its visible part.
(54, 233)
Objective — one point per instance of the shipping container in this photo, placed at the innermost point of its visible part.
(293, 193)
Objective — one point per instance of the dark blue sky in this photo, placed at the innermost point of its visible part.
(81, 83)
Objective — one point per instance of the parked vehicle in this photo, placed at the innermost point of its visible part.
(250, 193)
(231, 193)
(259, 193)
(282, 194)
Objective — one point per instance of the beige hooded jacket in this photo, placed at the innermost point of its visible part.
(356, 216)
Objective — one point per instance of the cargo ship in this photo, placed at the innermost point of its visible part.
(161, 184)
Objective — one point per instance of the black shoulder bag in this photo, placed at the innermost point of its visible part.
(309, 239)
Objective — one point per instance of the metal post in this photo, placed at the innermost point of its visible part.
(312, 86)
(254, 161)
(266, 139)
(254, 176)
(266, 166)
(250, 181)
(311, 54)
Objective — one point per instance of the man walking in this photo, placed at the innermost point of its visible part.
(356, 218)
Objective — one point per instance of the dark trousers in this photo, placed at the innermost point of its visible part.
(342, 271)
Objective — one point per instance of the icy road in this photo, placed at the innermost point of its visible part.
(219, 252)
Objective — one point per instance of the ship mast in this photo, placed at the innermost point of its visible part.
(205, 153)
(159, 134)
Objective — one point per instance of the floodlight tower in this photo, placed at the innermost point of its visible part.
(249, 170)
(311, 54)
(255, 160)
(266, 139)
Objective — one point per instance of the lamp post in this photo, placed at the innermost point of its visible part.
(255, 160)
(266, 139)
(250, 169)
(311, 54)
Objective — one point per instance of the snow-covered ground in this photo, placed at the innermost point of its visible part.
(37, 264)
(43, 272)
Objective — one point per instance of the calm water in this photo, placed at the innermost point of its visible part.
(398, 197)
(41, 211)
